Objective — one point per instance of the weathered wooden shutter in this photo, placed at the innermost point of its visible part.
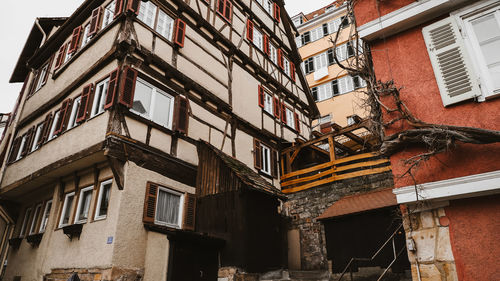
(189, 212)
(83, 110)
(249, 30)
(450, 61)
(46, 129)
(150, 203)
(276, 107)
(261, 96)
(134, 6)
(14, 149)
(274, 163)
(34, 82)
(283, 113)
(60, 56)
(280, 59)
(277, 13)
(112, 88)
(75, 40)
(267, 50)
(297, 121)
(292, 71)
(127, 87)
(257, 157)
(63, 114)
(94, 21)
(118, 8)
(181, 114)
(180, 32)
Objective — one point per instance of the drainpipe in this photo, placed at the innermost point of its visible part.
(37, 23)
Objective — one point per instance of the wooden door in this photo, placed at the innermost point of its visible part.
(192, 262)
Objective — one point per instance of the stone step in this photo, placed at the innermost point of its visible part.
(296, 276)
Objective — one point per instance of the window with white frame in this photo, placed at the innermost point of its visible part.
(21, 147)
(53, 126)
(268, 103)
(38, 135)
(290, 118)
(257, 38)
(266, 159)
(316, 33)
(109, 13)
(74, 112)
(147, 13)
(83, 207)
(333, 25)
(322, 92)
(273, 53)
(86, 38)
(165, 25)
(103, 200)
(66, 209)
(343, 85)
(34, 221)
(157, 19)
(325, 119)
(45, 217)
(153, 104)
(26, 219)
(41, 77)
(286, 65)
(320, 61)
(68, 55)
(101, 90)
(169, 207)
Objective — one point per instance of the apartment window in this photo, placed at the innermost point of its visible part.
(333, 26)
(45, 217)
(225, 9)
(306, 37)
(147, 13)
(329, 54)
(66, 209)
(86, 37)
(309, 65)
(165, 25)
(358, 82)
(268, 103)
(74, 111)
(325, 119)
(68, 55)
(273, 53)
(21, 147)
(322, 92)
(109, 13)
(317, 33)
(266, 159)
(169, 207)
(38, 135)
(54, 125)
(26, 219)
(38, 211)
(153, 104)
(290, 118)
(345, 84)
(286, 66)
(157, 19)
(101, 90)
(103, 200)
(83, 207)
(320, 61)
(258, 39)
(41, 77)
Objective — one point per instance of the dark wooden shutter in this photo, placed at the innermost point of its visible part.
(267, 50)
(150, 203)
(181, 114)
(83, 110)
(29, 140)
(189, 212)
(250, 30)
(276, 107)
(46, 129)
(297, 121)
(292, 71)
(133, 6)
(60, 56)
(15, 149)
(274, 163)
(261, 96)
(94, 22)
(283, 113)
(280, 59)
(118, 8)
(75, 40)
(228, 10)
(49, 66)
(34, 83)
(180, 32)
(112, 88)
(277, 13)
(257, 154)
(127, 87)
(63, 114)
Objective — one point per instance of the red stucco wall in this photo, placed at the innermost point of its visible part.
(376, 9)
(475, 235)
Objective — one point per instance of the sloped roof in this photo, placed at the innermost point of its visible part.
(360, 202)
(321, 11)
(248, 176)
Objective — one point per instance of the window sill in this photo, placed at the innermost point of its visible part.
(73, 230)
(15, 242)
(100, 218)
(34, 239)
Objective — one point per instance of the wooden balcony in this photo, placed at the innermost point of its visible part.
(341, 154)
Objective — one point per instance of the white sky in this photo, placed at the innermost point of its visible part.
(17, 23)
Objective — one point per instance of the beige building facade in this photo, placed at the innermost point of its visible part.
(100, 162)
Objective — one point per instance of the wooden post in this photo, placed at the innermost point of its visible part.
(332, 149)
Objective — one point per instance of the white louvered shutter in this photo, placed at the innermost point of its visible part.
(452, 67)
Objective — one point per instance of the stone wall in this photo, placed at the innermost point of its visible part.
(95, 274)
(305, 206)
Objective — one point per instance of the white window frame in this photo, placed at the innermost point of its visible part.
(268, 103)
(325, 119)
(316, 34)
(38, 210)
(24, 225)
(38, 134)
(290, 118)
(97, 215)
(268, 6)
(45, 217)
(266, 159)
(258, 38)
(21, 147)
(144, 8)
(286, 65)
(67, 55)
(74, 112)
(273, 53)
(109, 14)
(168, 26)
(324, 91)
(101, 90)
(181, 207)
(85, 36)
(63, 210)
(53, 125)
(155, 91)
(80, 202)
(41, 75)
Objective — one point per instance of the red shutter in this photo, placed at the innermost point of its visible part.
(292, 71)
(297, 121)
(228, 10)
(277, 14)
(46, 129)
(60, 57)
(180, 32)
(283, 113)
(250, 30)
(274, 163)
(181, 114)
(261, 96)
(267, 50)
(150, 203)
(133, 6)
(75, 40)
(280, 59)
(257, 157)
(276, 107)
(118, 8)
(127, 87)
(83, 110)
(189, 212)
(94, 22)
(220, 7)
(112, 88)
(63, 113)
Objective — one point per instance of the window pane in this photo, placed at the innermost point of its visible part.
(167, 210)
(67, 210)
(45, 218)
(100, 96)
(103, 206)
(84, 205)
(38, 210)
(142, 99)
(109, 13)
(161, 112)
(165, 25)
(487, 33)
(147, 13)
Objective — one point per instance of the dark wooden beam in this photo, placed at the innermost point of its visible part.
(116, 166)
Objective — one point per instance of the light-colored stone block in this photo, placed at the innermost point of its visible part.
(426, 241)
(427, 219)
(443, 247)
